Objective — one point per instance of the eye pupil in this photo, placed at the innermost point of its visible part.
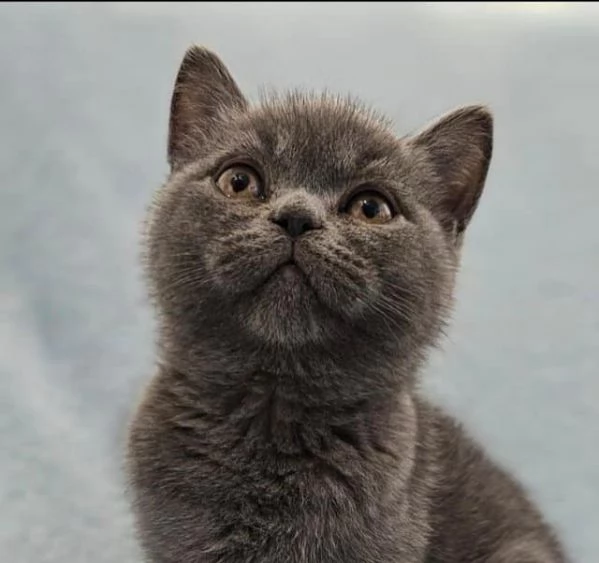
(240, 181)
(370, 208)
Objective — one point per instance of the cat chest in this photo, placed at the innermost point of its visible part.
(308, 518)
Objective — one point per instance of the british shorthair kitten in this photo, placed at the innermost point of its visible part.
(302, 260)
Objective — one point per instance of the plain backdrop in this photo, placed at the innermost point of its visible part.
(84, 96)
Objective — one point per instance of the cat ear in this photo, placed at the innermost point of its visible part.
(204, 94)
(458, 146)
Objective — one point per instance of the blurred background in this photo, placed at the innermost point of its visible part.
(84, 96)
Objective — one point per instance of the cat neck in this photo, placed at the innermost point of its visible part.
(311, 377)
(258, 414)
(285, 399)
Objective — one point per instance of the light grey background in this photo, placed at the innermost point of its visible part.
(84, 94)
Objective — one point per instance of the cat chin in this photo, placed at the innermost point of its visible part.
(286, 311)
(285, 332)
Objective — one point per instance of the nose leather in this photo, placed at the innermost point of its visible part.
(296, 222)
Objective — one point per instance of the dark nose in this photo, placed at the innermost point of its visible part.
(296, 223)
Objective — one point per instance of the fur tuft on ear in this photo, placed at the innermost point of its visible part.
(204, 93)
(458, 146)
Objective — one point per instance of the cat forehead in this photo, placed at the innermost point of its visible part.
(321, 131)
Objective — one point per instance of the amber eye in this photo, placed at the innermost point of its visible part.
(370, 207)
(240, 181)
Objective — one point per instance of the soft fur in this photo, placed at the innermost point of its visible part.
(283, 424)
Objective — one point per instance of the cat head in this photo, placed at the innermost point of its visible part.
(304, 220)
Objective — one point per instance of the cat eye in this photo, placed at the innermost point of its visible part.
(240, 181)
(370, 207)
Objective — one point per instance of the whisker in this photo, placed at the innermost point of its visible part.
(187, 278)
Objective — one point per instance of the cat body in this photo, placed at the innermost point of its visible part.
(302, 260)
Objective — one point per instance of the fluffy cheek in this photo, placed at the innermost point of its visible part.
(418, 275)
(202, 247)
(395, 276)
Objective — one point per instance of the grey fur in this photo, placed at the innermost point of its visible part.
(284, 424)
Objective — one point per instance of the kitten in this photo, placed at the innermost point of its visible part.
(302, 260)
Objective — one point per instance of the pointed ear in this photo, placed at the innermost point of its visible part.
(458, 146)
(204, 94)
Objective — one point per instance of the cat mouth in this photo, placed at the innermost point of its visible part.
(290, 273)
(292, 279)
(292, 276)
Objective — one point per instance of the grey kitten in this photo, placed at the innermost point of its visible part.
(302, 259)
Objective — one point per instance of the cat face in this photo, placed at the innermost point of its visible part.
(304, 219)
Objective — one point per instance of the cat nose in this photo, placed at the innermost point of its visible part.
(296, 222)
